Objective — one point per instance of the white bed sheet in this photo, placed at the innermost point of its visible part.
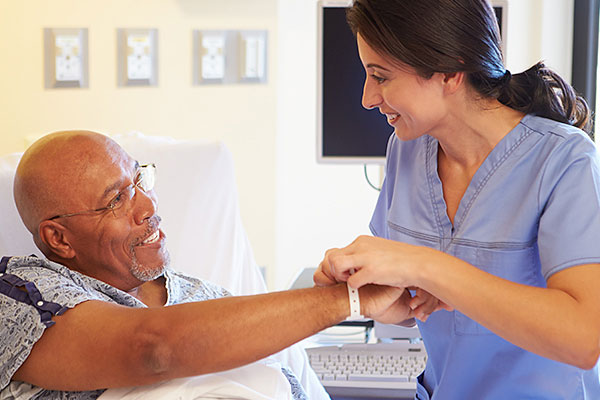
(257, 381)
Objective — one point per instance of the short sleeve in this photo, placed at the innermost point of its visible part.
(569, 227)
(20, 329)
(21, 325)
(182, 288)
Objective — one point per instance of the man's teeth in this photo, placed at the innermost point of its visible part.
(392, 117)
(152, 238)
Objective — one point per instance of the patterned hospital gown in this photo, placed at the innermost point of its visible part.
(57, 289)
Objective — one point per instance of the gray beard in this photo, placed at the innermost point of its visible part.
(145, 274)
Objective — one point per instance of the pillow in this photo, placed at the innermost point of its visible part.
(198, 203)
(15, 239)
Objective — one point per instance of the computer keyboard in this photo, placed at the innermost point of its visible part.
(381, 370)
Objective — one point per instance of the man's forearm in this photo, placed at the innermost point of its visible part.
(215, 335)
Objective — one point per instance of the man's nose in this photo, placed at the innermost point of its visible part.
(144, 205)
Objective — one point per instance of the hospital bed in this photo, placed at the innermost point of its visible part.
(198, 203)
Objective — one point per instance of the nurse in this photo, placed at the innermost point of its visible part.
(490, 206)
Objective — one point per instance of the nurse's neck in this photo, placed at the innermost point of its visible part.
(472, 129)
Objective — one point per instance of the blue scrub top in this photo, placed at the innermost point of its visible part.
(532, 209)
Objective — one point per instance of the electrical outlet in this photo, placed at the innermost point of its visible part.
(68, 58)
(65, 54)
(253, 56)
(137, 57)
(229, 56)
(214, 57)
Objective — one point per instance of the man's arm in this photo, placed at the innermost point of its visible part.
(102, 345)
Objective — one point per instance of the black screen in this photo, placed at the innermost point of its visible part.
(348, 129)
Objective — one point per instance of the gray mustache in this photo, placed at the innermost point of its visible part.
(152, 224)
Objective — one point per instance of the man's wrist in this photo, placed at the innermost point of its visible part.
(339, 297)
(354, 304)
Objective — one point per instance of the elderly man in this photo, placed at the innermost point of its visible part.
(92, 315)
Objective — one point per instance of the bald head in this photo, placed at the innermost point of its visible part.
(49, 172)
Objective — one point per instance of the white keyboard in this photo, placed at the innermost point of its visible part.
(382, 370)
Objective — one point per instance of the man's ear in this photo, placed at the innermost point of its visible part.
(452, 81)
(52, 234)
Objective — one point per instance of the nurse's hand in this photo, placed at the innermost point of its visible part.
(379, 261)
(422, 304)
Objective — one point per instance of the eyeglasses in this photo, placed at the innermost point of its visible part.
(144, 180)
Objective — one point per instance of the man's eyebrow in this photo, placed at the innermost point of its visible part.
(117, 185)
(112, 188)
(372, 65)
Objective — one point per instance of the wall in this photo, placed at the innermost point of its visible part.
(292, 207)
(323, 206)
(540, 30)
(240, 115)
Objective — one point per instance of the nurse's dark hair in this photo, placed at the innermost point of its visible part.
(463, 36)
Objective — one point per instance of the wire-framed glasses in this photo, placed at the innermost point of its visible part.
(144, 180)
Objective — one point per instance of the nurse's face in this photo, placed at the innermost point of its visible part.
(413, 105)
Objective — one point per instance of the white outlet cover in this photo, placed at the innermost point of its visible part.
(213, 56)
(137, 57)
(66, 57)
(253, 56)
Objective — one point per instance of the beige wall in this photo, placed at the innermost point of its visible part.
(292, 207)
(242, 116)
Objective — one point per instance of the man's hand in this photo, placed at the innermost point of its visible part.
(385, 304)
(423, 304)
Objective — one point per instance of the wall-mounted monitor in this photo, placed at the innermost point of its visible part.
(346, 132)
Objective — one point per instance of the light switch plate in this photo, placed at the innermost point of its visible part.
(253, 56)
(214, 57)
(137, 57)
(65, 57)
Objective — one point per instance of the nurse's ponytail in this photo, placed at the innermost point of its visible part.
(463, 36)
(541, 91)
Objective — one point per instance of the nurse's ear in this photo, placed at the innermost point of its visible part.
(452, 81)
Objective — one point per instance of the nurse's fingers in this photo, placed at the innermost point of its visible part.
(361, 277)
(322, 276)
(341, 266)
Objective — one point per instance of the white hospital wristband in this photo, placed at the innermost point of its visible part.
(354, 304)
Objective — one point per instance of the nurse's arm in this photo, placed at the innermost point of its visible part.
(561, 322)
